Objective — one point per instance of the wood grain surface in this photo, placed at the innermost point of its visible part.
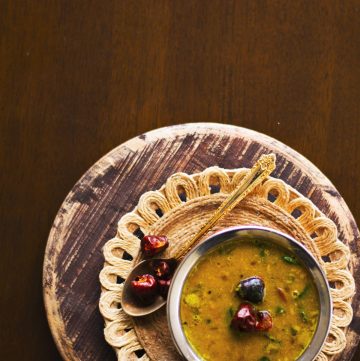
(88, 219)
(79, 78)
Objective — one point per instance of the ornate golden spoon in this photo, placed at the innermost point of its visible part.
(261, 169)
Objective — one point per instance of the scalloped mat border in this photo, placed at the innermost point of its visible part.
(332, 254)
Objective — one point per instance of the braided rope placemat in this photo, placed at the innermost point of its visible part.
(178, 209)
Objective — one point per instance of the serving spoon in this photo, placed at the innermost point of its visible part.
(261, 169)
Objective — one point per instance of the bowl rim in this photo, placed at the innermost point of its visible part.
(269, 234)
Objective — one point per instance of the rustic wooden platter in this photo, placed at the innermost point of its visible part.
(88, 218)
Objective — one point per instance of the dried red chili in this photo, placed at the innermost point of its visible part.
(244, 318)
(145, 287)
(248, 319)
(264, 321)
(152, 245)
(163, 288)
(164, 269)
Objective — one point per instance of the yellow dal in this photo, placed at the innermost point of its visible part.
(209, 299)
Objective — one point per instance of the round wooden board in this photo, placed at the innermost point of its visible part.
(89, 215)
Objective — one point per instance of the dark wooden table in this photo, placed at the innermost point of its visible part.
(79, 78)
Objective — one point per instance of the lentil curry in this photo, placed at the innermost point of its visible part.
(209, 302)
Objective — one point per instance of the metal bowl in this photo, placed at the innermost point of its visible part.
(243, 233)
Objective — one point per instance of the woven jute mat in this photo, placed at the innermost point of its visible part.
(179, 209)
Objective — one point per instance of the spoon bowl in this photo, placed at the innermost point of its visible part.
(129, 303)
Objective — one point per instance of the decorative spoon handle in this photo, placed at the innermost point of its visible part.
(261, 169)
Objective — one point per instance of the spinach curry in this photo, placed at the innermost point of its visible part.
(210, 299)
